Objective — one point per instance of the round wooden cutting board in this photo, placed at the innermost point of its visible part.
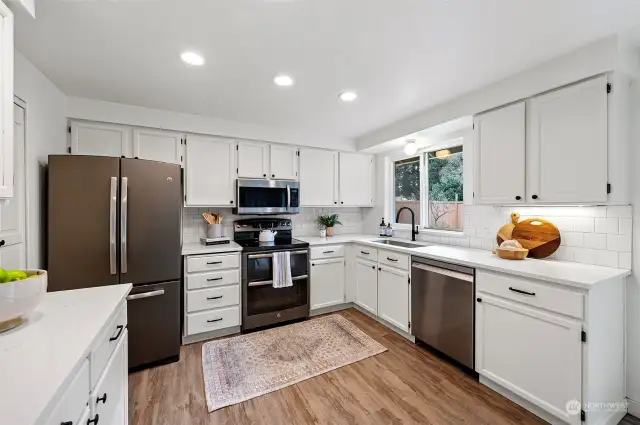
(506, 232)
(539, 236)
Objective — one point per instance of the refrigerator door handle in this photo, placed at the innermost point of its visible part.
(112, 224)
(123, 224)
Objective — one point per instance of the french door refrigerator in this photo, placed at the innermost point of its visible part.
(118, 220)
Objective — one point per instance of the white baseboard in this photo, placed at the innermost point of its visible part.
(633, 408)
(330, 309)
(385, 323)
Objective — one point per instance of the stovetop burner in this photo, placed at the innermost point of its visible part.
(254, 245)
(246, 234)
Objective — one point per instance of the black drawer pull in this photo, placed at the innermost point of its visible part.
(214, 278)
(94, 421)
(214, 298)
(327, 252)
(66, 423)
(214, 320)
(373, 267)
(120, 329)
(392, 259)
(214, 262)
(364, 252)
(102, 399)
(520, 291)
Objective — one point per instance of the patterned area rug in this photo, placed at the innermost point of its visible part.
(247, 366)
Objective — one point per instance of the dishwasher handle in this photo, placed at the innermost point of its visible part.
(445, 272)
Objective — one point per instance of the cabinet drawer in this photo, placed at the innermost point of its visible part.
(207, 280)
(72, 404)
(207, 299)
(108, 341)
(213, 262)
(212, 320)
(531, 293)
(327, 251)
(367, 252)
(107, 399)
(393, 259)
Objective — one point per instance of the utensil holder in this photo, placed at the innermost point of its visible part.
(214, 231)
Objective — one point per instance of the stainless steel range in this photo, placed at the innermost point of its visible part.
(262, 304)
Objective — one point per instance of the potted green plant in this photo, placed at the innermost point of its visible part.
(328, 221)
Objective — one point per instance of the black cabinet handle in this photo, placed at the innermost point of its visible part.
(215, 298)
(392, 259)
(102, 399)
(231, 202)
(373, 267)
(535, 196)
(518, 198)
(335, 202)
(313, 264)
(2, 242)
(341, 202)
(120, 329)
(327, 252)
(94, 421)
(273, 175)
(214, 262)
(66, 423)
(479, 300)
(214, 320)
(214, 278)
(264, 175)
(379, 268)
(520, 291)
(364, 252)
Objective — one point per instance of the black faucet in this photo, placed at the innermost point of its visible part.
(414, 228)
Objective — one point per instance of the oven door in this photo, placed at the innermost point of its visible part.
(267, 197)
(261, 299)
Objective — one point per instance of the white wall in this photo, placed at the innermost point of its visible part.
(46, 133)
(97, 110)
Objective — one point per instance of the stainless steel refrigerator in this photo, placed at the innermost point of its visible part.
(118, 220)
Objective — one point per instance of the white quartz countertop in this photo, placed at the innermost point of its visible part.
(195, 248)
(39, 357)
(570, 274)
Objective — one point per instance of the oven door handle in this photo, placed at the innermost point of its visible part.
(253, 256)
(270, 282)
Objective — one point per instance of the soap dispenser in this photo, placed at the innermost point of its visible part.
(383, 228)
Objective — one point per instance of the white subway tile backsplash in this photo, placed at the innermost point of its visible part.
(624, 228)
(475, 242)
(606, 225)
(584, 255)
(607, 258)
(620, 243)
(625, 260)
(564, 254)
(595, 240)
(619, 212)
(574, 239)
(565, 223)
(583, 224)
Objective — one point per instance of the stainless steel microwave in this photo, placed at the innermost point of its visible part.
(267, 197)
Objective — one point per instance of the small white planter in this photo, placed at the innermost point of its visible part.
(19, 298)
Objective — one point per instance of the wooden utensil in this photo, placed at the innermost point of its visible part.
(506, 232)
(512, 254)
(539, 236)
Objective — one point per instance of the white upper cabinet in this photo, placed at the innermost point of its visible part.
(6, 101)
(567, 145)
(156, 145)
(499, 155)
(356, 180)
(210, 171)
(393, 297)
(318, 178)
(253, 160)
(284, 162)
(91, 138)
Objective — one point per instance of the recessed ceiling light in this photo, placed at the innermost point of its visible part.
(283, 80)
(192, 58)
(348, 96)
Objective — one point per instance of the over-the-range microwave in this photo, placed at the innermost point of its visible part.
(267, 197)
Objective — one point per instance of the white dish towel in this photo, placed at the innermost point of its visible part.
(282, 269)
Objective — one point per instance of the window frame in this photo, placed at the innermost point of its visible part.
(423, 219)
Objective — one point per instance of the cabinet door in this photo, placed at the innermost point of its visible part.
(6, 102)
(367, 286)
(499, 156)
(532, 353)
(91, 138)
(356, 180)
(164, 146)
(327, 282)
(109, 398)
(284, 162)
(393, 297)
(567, 144)
(210, 172)
(253, 160)
(318, 178)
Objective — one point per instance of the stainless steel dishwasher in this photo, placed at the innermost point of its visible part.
(442, 308)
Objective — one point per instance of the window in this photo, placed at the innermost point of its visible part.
(436, 198)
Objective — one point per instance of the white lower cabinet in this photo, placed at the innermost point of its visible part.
(367, 285)
(108, 400)
(393, 296)
(327, 282)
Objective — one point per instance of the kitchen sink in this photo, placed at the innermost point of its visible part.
(397, 243)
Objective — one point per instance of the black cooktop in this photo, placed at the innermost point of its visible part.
(252, 245)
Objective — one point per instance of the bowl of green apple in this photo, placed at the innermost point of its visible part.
(20, 293)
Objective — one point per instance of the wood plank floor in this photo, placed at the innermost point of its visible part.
(403, 385)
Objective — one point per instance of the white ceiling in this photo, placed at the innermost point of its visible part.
(400, 56)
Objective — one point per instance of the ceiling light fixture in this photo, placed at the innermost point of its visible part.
(283, 80)
(348, 96)
(192, 58)
(411, 147)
